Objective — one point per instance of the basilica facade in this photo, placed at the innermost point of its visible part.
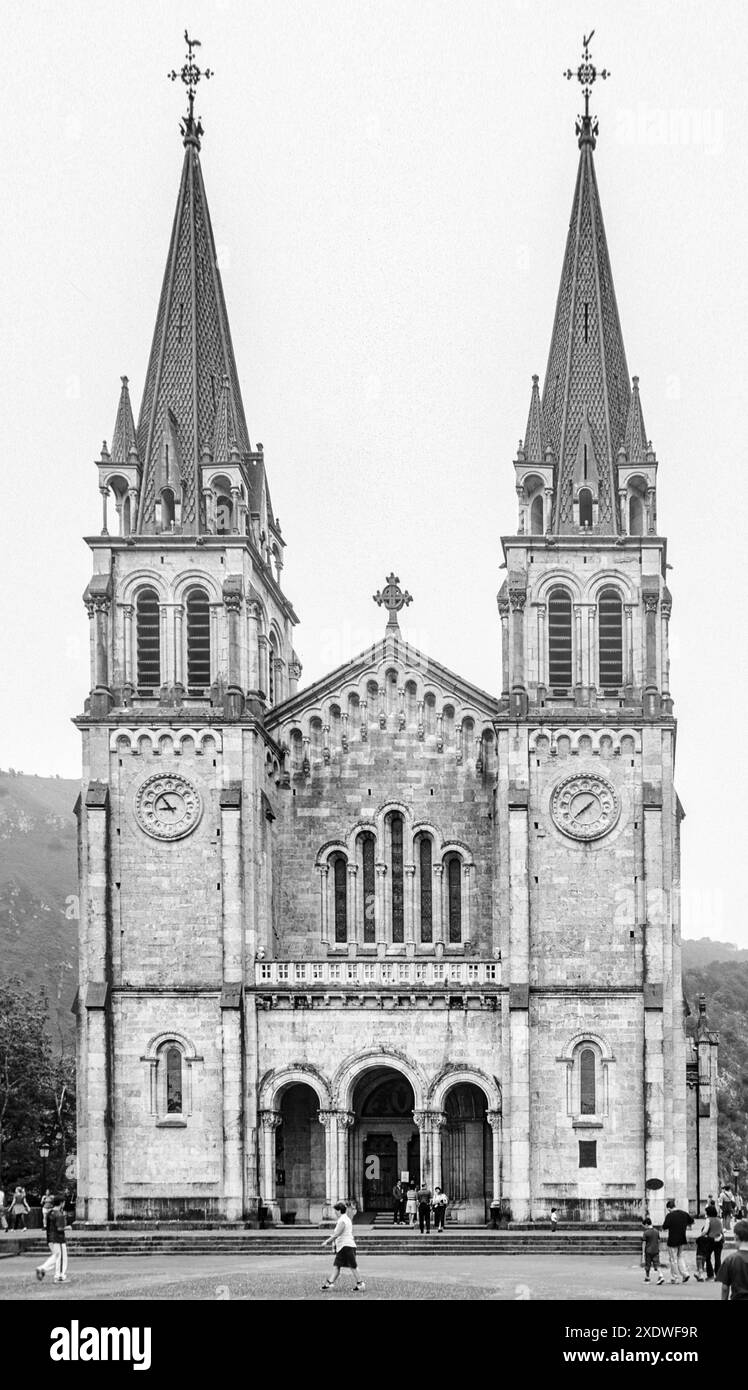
(388, 925)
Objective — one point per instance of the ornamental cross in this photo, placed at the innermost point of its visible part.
(393, 599)
(586, 74)
(190, 74)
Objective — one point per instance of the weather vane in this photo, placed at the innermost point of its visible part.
(190, 74)
(586, 74)
(393, 599)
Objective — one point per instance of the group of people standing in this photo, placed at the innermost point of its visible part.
(731, 1272)
(411, 1203)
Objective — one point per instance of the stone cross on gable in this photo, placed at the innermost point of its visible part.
(393, 598)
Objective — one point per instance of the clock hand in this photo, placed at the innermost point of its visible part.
(584, 808)
(166, 805)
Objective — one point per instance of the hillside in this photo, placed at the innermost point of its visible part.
(38, 884)
(38, 936)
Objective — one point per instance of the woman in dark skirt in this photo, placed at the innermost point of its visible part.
(345, 1249)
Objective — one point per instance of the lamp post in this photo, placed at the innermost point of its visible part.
(44, 1155)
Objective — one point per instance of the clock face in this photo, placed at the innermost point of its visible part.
(585, 806)
(167, 806)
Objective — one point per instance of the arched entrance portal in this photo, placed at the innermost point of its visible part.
(300, 1154)
(385, 1142)
(467, 1153)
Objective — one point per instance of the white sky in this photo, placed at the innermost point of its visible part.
(390, 185)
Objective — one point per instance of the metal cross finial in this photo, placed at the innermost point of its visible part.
(586, 74)
(393, 599)
(190, 74)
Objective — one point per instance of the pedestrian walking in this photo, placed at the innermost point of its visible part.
(411, 1205)
(424, 1209)
(439, 1208)
(733, 1273)
(716, 1238)
(554, 1220)
(58, 1259)
(48, 1201)
(397, 1204)
(344, 1247)
(726, 1206)
(19, 1209)
(651, 1251)
(676, 1224)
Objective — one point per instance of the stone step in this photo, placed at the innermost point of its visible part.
(484, 1243)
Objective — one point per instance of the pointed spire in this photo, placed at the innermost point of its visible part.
(536, 438)
(123, 438)
(635, 438)
(192, 363)
(587, 376)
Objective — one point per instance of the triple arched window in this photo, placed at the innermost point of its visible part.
(392, 888)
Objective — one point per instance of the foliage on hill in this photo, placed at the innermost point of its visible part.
(37, 1092)
(725, 984)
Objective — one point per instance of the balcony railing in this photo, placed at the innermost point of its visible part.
(356, 974)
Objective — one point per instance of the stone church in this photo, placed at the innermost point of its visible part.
(388, 924)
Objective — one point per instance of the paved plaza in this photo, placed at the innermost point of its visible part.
(218, 1277)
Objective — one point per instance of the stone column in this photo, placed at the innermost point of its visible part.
(253, 629)
(542, 645)
(381, 915)
(164, 643)
(234, 695)
(425, 1130)
(651, 700)
(494, 1119)
(622, 511)
(104, 498)
(666, 609)
(235, 510)
(504, 616)
(651, 518)
(438, 1121)
(548, 509)
(179, 644)
(628, 650)
(410, 903)
(262, 670)
(329, 1118)
(346, 1121)
(592, 672)
(520, 509)
(350, 903)
(577, 655)
(518, 598)
(132, 493)
(437, 904)
(269, 1122)
(467, 876)
(129, 663)
(324, 873)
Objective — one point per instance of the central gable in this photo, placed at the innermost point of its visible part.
(390, 686)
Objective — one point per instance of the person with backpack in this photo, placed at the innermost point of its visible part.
(58, 1260)
(733, 1272)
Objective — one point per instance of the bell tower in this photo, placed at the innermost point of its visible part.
(588, 813)
(191, 644)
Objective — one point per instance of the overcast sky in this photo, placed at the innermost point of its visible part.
(390, 186)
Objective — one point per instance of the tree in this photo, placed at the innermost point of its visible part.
(37, 1089)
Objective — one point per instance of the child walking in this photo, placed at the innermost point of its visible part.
(651, 1251)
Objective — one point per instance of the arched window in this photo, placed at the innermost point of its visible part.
(397, 872)
(536, 515)
(585, 507)
(610, 639)
(559, 641)
(340, 896)
(587, 1098)
(453, 868)
(636, 515)
(173, 1081)
(167, 509)
(223, 515)
(272, 656)
(368, 885)
(426, 875)
(148, 639)
(198, 642)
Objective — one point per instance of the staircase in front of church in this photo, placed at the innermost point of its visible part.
(371, 1240)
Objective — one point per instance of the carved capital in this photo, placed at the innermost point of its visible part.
(650, 603)
(666, 609)
(327, 1118)
(346, 1119)
(233, 602)
(518, 599)
(503, 604)
(494, 1119)
(270, 1119)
